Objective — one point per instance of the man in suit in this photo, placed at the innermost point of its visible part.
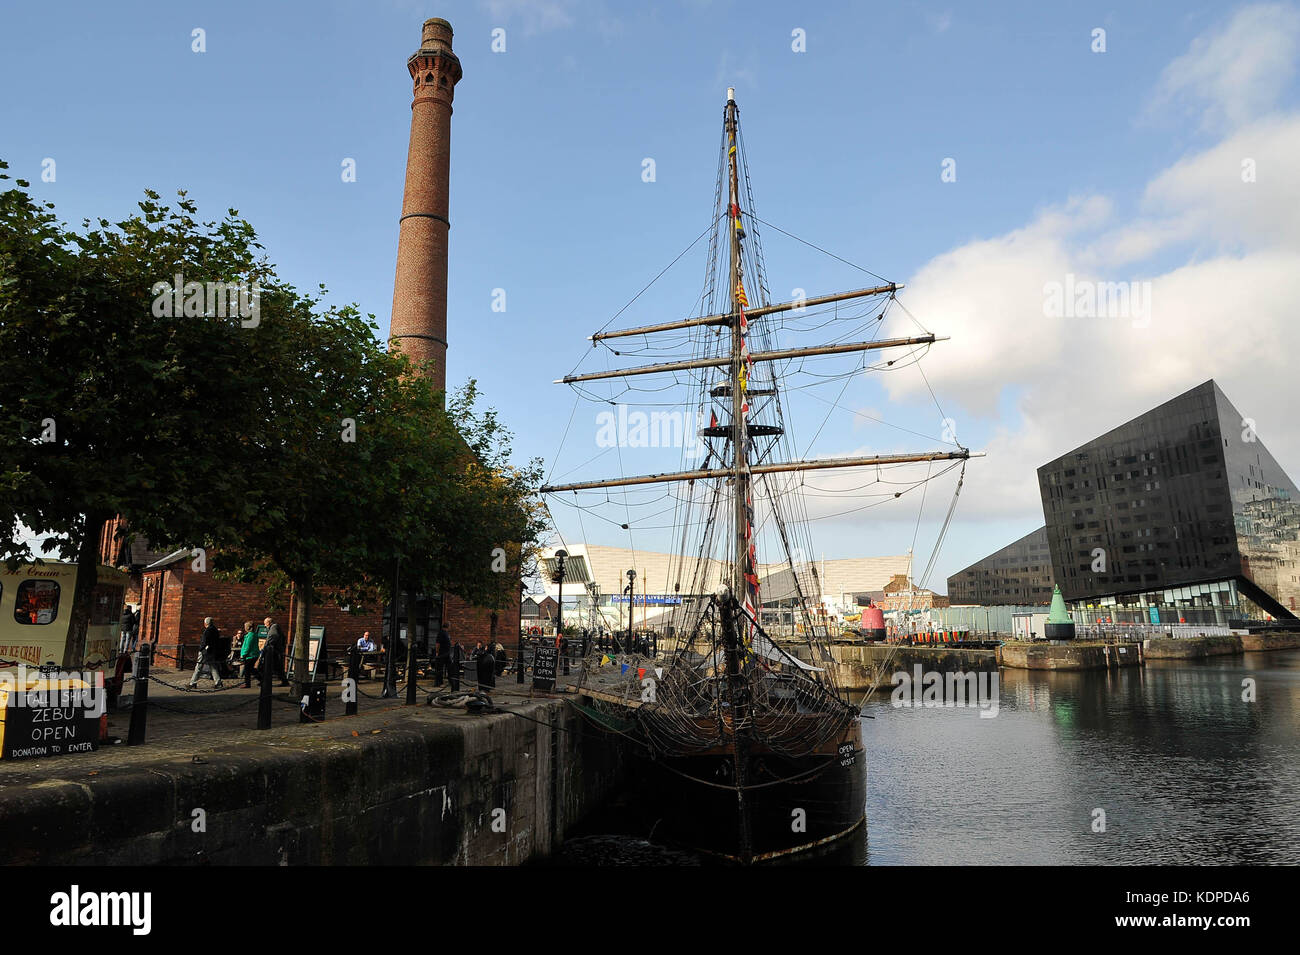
(273, 652)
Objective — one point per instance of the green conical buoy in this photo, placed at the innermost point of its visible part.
(1059, 624)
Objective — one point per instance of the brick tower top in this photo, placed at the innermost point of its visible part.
(435, 56)
(419, 323)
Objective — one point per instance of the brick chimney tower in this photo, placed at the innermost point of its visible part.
(419, 324)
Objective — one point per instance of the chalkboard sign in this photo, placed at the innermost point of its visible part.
(31, 726)
(545, 658)
(848, 755)
(315, 642)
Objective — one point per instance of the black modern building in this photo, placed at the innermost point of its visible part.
(1019, 574)
(1178, 516)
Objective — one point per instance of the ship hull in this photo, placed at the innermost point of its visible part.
(795, 804)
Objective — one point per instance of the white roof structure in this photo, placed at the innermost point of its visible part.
(607, 567)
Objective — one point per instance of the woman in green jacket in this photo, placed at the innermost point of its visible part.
(249, 651)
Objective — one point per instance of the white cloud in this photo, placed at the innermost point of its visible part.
(535, 16)
(1236, 74)
(733, 71)
(1226, 310)
(939, 22)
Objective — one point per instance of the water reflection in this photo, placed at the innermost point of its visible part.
(1184, 770)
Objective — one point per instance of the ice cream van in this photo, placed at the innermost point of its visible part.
(36, 615)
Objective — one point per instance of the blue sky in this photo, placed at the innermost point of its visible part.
(1120, 165)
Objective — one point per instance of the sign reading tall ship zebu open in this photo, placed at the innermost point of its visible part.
(49, 717)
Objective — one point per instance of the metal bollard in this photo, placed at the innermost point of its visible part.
(519, 674)
(264, 697)
(139, 698)
(410, 672)
(354, 674)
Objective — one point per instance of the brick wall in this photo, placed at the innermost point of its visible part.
(468, 624)
(177, 599)
(110, 545)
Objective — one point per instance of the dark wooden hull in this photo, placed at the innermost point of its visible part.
(691, 801)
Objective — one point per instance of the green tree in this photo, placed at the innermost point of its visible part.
(108, 405)
(286, 441)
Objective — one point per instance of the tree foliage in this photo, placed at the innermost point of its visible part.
(291, 445)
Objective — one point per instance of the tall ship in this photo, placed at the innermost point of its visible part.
(744, 744)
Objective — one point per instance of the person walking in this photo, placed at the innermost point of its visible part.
(443, 660)
(272, 654)
(485, 666)
(248, 652)
(130, 628)
(209, 649)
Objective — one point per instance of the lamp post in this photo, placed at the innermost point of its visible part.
(560, 557)
(631, 599)
(593, 626)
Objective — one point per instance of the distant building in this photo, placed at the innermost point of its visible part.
(902, 594)
(841, 579)
(1019, 574)
(1180, 515)
(596, 576)
(536, 612)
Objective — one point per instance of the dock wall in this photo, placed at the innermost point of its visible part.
(490, 790)
(1067, 656)
(1191, 648)
(860, 667)
(1270, 641)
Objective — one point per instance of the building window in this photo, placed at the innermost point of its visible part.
(37, 603)
(106, 605)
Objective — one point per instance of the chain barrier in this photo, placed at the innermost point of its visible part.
(473, 696)
(188, 688)
(170, 708)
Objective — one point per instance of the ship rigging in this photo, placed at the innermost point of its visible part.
(736, 707)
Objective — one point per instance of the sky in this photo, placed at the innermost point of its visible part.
(983, 156)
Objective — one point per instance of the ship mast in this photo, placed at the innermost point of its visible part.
(733, 624)
(739, 407)
(739, 471)
(748, 705)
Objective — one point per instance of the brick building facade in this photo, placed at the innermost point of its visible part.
(174, 598)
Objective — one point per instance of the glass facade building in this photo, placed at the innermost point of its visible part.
(1020, 573)
(1178, 516)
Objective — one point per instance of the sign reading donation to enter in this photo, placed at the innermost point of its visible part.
(544, 660)
(49, 719)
